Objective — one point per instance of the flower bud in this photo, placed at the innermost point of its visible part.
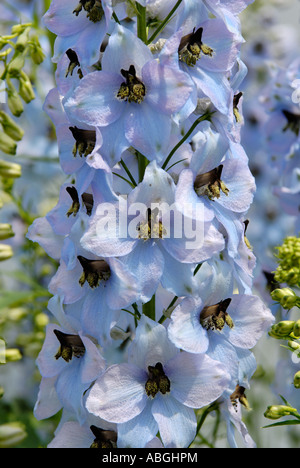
(10, 127)
(286, 297)
(13, 100)
(282, 329)
(6, 252)
(25, 89)
(16, 65)
(36, 52)
(7, 144)
(12, 355)
(294, 346)
(296, 329)
(22, 40)
(18, 29)
(11, 434)
(297, 380)
(6, 231)
(278, 411)
(10, 170)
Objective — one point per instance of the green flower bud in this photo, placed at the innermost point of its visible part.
(286, 297)
(297, 380)
(6, 252)
(12, 355)
(7, 144)
(282, 330)
(10, 170)
(279, 411)
(10, 127)
(14, 101)
(16, 65)
(36, 52)
(296, 329)
(11, 434)
(25, 89)
(22, 40)
(294, 346)
(288, 270)
(6, 231)
(18, 29)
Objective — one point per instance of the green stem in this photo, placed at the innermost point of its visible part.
(149, 308)
(165, 21)
(141, 23)
(142, 34)
(142, 164)
(200, 119)
(128, 173)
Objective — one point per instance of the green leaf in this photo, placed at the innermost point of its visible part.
(289, 422)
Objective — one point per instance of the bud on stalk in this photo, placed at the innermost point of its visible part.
(16, 65)
(14, 101)
(10, 127)
(11, 434)
(10, 170)
(6, 252)
(286, 297)
(22, 40)
(25, 89)
(279, 411)
(6, 231)
(297, 380)
(7, 144)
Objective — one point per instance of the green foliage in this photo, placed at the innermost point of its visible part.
(287, 273)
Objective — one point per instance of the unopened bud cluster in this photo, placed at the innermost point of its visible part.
(288, 255)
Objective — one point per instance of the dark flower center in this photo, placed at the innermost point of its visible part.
(293, 123)
(93, 9)
(236, 111)
(74, 62)
(210, 183)
(131, 90)
(152, 228)
(85, 141)
(87, 199)
(215, 317)
(70, 345)
(191, 47)
(158, 381)
(103, 439)
(94, 271)
(239, 395)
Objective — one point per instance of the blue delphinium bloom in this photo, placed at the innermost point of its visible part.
(81, 25)
(220, 323)
(157, 390)
(68, 362)
(150, 246)
(132, 98)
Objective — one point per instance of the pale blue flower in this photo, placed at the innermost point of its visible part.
(157, 390)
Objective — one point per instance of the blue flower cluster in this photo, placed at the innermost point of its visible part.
(152, 300)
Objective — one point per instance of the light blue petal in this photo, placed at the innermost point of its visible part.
(151, 345)
(177, 424)
(137, 432)
(119, 394)
(185, 330)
